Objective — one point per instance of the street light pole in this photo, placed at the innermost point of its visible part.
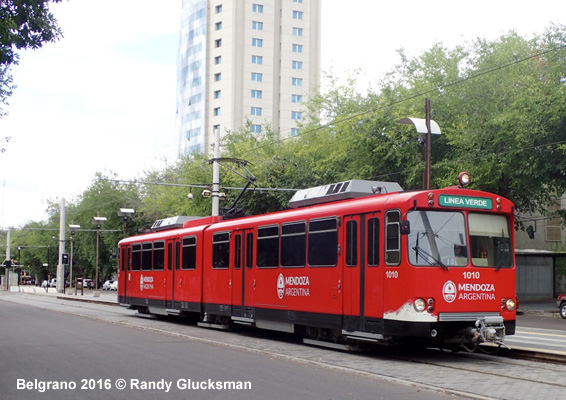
(8, 257)
(73, 229)
(428, 127)
(125, 213)
(428, 144)
(97, 221)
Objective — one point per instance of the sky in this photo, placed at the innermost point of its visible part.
(102, 99)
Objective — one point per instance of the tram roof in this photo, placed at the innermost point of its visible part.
(351, 189)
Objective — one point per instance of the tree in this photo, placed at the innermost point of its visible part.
(104, 197)
(500, 106)
(6, 88)
(23, 25)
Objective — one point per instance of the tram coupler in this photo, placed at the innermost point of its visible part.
(487, 329)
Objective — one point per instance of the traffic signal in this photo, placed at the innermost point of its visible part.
(65, 259)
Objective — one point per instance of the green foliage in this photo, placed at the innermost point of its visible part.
(6, 88)
(103, 198)
(25, 25)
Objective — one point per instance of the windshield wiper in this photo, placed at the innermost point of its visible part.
(425, 254)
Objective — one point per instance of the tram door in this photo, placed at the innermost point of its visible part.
(353, 267)
(125, 255)
(363, 294)
(242, 274)
(173, 259)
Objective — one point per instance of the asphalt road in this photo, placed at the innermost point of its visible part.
(52, 355)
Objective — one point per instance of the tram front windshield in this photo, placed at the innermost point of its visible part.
(440, 238)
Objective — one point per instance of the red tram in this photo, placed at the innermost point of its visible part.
(351, 262)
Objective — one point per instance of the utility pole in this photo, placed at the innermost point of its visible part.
(61, 266)
(428, 145)
(216, 174)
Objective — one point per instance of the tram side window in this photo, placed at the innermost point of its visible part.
(393, 238)
(189, 253)
(158, 255)
(352, 243)
(237, 251)
(323, 243)
(249, 250)
(221, 250)
(169, 256)
(177, 254)
(147, 256)
(268, 247)
(136, 257)
(294, 245)
(373, 242)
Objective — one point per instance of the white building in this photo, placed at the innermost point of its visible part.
(242, 60)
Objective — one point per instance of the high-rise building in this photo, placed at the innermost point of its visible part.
(245, 60)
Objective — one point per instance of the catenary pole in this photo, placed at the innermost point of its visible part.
(60, 266)
(216, 174)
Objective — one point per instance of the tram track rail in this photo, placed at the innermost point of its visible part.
(534, 355)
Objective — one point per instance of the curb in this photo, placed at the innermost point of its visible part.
(87, 300)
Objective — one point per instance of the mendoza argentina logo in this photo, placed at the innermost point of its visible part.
(293, 286)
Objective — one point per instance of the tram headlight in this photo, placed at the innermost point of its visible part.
(464, 179)
(510, 304)
(419, 305)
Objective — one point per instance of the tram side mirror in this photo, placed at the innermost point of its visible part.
(405, 227)
(531, 231)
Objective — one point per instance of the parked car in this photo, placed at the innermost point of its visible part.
(53, 282)
(88, 283)
(106, 285)
(114, 285)
(561, 303)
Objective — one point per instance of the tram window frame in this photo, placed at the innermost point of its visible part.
(189, 253)
(323, 236)
(147, 256)
(373, 241)
(352, 243)
(267, 247)
(159, 255)
(136, 256)
(221, 250)
(169, 256)
(294, 244)
(393, 237)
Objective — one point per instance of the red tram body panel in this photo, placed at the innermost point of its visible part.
(434, 265)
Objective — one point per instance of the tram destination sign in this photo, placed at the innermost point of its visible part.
(465, 202)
